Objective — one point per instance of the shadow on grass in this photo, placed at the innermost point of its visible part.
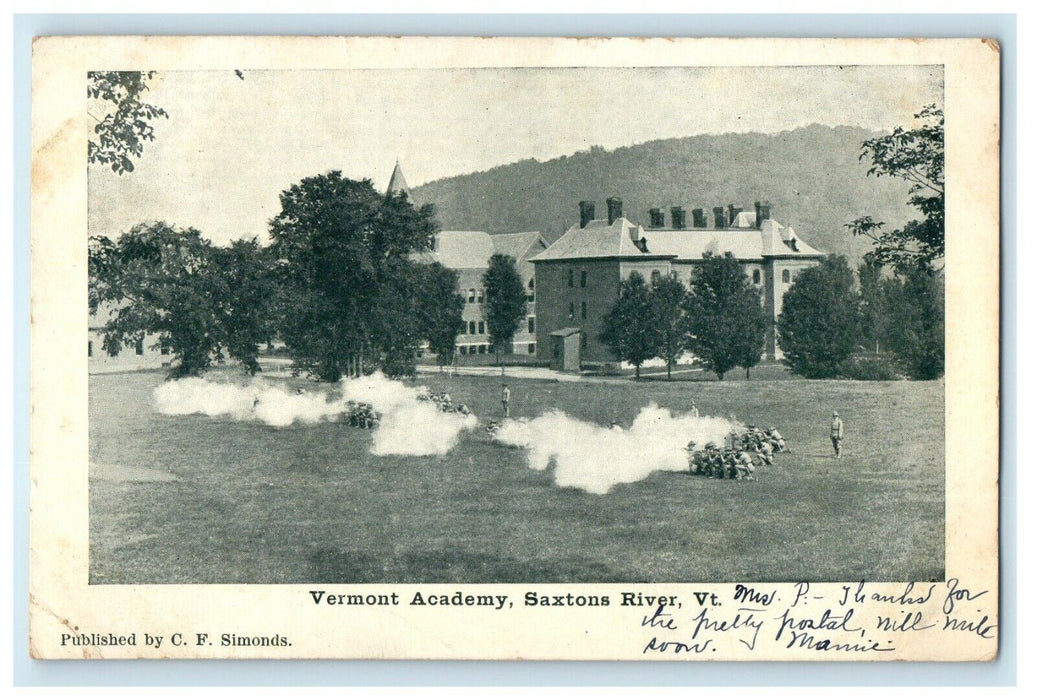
(442, 566)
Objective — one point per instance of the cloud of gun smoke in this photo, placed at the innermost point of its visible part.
(408, 426)
(593, 458)
(268, 403)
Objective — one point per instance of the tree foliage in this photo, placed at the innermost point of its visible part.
(440, 318)
(350, 291)
(629, 328)
(818, 326)
(247, 303)
(120, 134)
(876, 299)
(667, 307)
(505, 301)
(198, 300)
(726, 321)
(917, 157)
(915, 330)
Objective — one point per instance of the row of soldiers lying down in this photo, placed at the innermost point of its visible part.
(444, 403)
(741, 454)
(363, 415)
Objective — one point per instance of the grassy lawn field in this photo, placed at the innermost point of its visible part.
(189, 499)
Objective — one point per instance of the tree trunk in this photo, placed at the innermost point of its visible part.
(720, 376)
(637, 371)
(668, 366)
(746, 372)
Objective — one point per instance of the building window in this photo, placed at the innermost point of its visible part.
(471, 296)
(140, 347)
(482, 296)
(756, 276)
(89, 348)
(482, 327)
(570, 277)
(482, 349)
(532, 348)
(572, 311)
(583, 341)
(463, 349)
(531, 295)
(786, 276)
(583, 278)
(583, 310)
(531, 322)
(165, 351)
(471, 328)
(656, 276)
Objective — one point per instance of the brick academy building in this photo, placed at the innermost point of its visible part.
(578, 277)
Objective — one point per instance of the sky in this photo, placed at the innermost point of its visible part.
(231, 144)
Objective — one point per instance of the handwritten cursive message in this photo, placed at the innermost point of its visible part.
(830, 621)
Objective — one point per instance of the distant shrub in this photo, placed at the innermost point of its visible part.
(399, 364)
(872, 367)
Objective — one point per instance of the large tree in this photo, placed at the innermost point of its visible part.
(818, 326)
(160, 280)
(440, 319)
(505, 301)
(247, 304)
(915, 330)
(876, 302)
(915, 156)
(347, 295)
(629, 328)
(726, 321)
(123, 119)
(667, 301)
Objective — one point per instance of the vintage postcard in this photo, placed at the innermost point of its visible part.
(460, 348)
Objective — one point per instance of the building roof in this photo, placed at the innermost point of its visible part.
(397, 183)
(461, 250)
(516, 245)
(599, 240)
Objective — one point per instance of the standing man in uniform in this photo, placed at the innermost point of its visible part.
(505, 398)
(837, 434)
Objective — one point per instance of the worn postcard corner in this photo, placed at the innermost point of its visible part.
(445, 348)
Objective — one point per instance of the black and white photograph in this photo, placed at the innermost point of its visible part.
(353, 328)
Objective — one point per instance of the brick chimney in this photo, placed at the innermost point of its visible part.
(677, 215)
(732, 212)
(615, 207)
(656, 219)
(763, 212)
(718, 217)
(698, 217)
(586, 213)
